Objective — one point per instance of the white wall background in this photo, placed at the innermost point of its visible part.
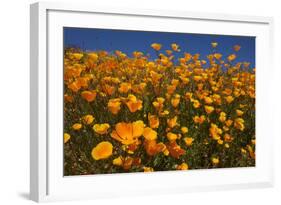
(14, 101)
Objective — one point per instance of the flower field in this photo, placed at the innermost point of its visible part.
(138, 114)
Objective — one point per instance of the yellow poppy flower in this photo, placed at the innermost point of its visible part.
(164, 113)
(208, 100)
(118, 161)
(66, 137)
(196, 104)
(77, 126)
(253, 141)
(77, 56)
(93, 56)
(215, 132)
(128, 133)
(197, 78)
(88, 119)
(220, 141)
(101, 128)
(239, 124)
(148, 169)
(218, 56)
(231, 57)
(215, 160)
(182, 166)
(149, 134)
(188, 95)
(156, 46)
(229, 99)
(214, 44)
(188, 141)
(184, 130)
(209, 109)
(125, 162)
(222, 117)
(217, 99)
(171, 136)
(102, 151)
(243, 151)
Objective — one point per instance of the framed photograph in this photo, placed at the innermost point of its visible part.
(127, 102)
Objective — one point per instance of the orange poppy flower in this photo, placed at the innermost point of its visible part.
(133, 103)
(109, 90)
(175, 150)
(159, 103)
(153, 121)
(102, 151)
(199, 119)
(172, 122)
(124, 87)
(239, 124)
(175, 47)
(152, 147)
(114, 105)
(125, 162)
(175, 100)
(68, 98)
(236, 48)
(128, 133)
(77, 126)
(74, 86)
(89, 96)
(215, 132)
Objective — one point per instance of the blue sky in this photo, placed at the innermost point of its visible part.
(130, 41)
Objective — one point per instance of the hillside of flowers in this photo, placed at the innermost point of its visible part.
(131, 113)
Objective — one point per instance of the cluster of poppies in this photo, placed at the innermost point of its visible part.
(133, 113)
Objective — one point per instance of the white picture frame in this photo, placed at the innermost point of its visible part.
(46, 178)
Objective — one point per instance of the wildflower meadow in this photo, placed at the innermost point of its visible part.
(134, 113)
